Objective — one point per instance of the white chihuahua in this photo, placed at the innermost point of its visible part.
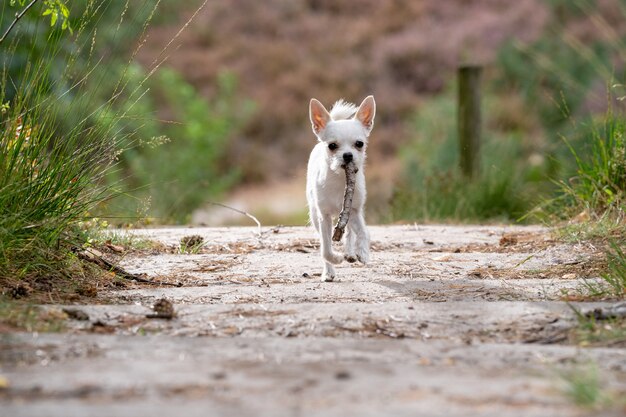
(342, 136)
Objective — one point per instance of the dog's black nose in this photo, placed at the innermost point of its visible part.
(347, 157)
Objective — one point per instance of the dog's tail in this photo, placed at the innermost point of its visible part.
(342, 110)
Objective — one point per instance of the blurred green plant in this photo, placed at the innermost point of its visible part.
(583, 387)
(550, 69)
(31, 318)
(182, 164)
(556, 74)
(432, 188)
(592, 331)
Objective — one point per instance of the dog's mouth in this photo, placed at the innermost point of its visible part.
(343, 166)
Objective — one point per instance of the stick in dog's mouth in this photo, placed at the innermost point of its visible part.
(344, 216)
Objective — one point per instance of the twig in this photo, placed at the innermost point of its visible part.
(523, 261)
(18, 16)
(258, 223)
(90, 256)
(344, 216)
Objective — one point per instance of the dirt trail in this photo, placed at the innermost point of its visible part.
(444, 321)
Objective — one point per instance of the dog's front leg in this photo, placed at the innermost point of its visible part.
(350, 244)
(326, 247)
(361, 235)
(328, 275)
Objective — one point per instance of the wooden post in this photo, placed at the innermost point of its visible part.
(469, 119)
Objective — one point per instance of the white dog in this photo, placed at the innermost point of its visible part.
(342, 136)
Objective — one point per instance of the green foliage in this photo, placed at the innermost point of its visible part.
(51, 171)
(450, 196)
(57, 9)
(191, 244)
(584, 385)
(54, 8)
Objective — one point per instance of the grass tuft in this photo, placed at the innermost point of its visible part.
(616, 276)
(598, 190)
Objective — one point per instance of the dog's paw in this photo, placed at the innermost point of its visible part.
(333, 258)
(328, 274)
(350, 258)
(328, 277)
(363, 255)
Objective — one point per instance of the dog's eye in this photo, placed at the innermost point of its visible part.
(333, 146)
(359, 144)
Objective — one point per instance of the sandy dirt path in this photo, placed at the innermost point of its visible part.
(445, 320)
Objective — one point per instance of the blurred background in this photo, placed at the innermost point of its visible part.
(223, 117)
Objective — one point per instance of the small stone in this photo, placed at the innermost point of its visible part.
(76, 314)
(163, 309)
(343, 375)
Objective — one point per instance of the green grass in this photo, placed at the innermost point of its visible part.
(448, 196)
(602, 227)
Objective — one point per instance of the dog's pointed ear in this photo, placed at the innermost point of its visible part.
(366, 113)
(319, 116)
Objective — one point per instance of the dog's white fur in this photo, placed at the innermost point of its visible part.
(346, 126)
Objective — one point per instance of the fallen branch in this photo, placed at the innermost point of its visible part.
(344, 216)
(91, 256)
